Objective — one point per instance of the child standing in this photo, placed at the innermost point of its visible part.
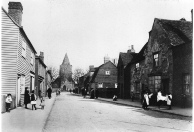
(42, 104)
(8, 101)
(169, 100)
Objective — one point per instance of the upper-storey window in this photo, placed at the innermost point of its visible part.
(137, 65)
(24, 49)
(32, 58)
(186, 84)
(107, 72)
(156, 59)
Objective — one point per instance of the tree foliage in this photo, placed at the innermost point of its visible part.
(54, 72)
(78, 72)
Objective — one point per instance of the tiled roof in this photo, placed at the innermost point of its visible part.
(179, 32)
(125, 58)
(140, 56)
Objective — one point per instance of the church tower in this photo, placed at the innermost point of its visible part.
(66, 74)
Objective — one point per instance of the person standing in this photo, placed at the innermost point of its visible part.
(33, 100)
(26, 97)
(159, 98)
(42, 104)
(132, 96)
(169, 101)
(8, 101)
(49, 91)
(146, 100)
(39, 94)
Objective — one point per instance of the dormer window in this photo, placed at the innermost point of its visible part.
(156, 63)
(107, 72)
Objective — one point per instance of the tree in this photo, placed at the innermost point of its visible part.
(78, 72)
(54, 72)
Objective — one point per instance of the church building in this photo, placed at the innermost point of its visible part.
(65, 73)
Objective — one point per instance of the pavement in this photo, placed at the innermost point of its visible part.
(186, 112)
(27, 120)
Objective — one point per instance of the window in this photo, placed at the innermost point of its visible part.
(154, 83)
(107, 72)
(100, 85)
(186, 84)
(137, 65)
(32, 58)
(115, 85)
(24, 49)
(156, 59)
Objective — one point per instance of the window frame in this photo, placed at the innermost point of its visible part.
(107, 72)
(155, 83)
(24, 45)
(156, 63)
(187, 84)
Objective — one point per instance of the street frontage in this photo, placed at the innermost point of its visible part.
(74, 113)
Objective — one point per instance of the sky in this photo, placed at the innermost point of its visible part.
(88, 30)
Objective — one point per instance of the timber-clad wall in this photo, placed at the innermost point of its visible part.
(24, 66)
(9, 46)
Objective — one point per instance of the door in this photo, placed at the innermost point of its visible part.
(18, 90)
(165, 88)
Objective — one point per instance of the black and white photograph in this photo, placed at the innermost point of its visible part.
(96, 66)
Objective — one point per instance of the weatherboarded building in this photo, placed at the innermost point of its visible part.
(40, 74)
(17, 55)
(105, 80)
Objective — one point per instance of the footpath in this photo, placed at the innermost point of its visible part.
(186, 112)
(27, 120)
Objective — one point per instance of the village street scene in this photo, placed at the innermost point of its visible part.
(97, 65)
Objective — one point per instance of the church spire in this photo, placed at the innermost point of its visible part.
(65, 60)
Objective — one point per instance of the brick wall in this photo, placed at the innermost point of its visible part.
(182, 64)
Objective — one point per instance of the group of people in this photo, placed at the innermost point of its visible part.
(31, 98)
(160, 99)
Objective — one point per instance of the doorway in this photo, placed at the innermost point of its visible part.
(165, 88)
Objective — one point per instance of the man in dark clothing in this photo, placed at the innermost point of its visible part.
(49, 91)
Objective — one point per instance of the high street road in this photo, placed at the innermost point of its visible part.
(72, 113)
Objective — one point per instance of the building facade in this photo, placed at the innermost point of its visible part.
(105, 80)
(168, 64)
(40, 75)
(124, 73)
(18, 55)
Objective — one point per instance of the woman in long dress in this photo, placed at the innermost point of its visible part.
(26, 97)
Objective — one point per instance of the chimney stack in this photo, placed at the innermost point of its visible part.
(106, 59)
(42, 56)
(15, 11)
(129, 50)
(132, 49)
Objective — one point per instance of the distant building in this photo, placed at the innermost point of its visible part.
(65, 74)
(105, 80)
(17, 56)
